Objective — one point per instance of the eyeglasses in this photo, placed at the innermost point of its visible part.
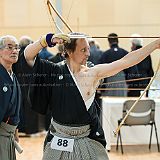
(11, 48)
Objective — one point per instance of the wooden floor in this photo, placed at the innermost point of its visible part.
(135, 152)
(33, 151)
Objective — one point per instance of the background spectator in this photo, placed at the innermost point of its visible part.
(145, 69)
(30, 122)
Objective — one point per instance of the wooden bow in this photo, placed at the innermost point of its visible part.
(50, 5)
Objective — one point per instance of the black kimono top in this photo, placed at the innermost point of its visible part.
(10, 98)
(53, 88)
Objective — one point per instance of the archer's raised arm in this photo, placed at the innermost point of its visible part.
(49, 40)
(132, 58)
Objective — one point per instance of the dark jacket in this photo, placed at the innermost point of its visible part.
(10, 98)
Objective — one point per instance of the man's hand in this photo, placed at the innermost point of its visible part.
(51, 39)
(60, 38)
(16, 136)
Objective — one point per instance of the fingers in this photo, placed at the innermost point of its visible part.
(65, 38)
(51, 39)
(16, 135)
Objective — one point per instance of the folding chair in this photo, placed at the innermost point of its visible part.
(142, 114)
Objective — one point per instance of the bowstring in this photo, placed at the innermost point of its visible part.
(106, 119)
(48, 16)
(70, 10)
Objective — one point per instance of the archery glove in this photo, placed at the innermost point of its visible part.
(46, 40)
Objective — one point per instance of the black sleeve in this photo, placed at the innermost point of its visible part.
(4, 99)
(43, 75)
(132, 72)
(96, 126)
(103, 58)
(150, 71)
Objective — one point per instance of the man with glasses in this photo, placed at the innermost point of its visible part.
(10, 98)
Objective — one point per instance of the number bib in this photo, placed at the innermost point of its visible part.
(63, 144)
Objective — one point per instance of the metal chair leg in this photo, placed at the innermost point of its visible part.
(117, 142)
(156, 136)
(121, 142)
(150, 136)
(118, 137)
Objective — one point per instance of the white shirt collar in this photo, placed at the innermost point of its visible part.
(11, 75)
